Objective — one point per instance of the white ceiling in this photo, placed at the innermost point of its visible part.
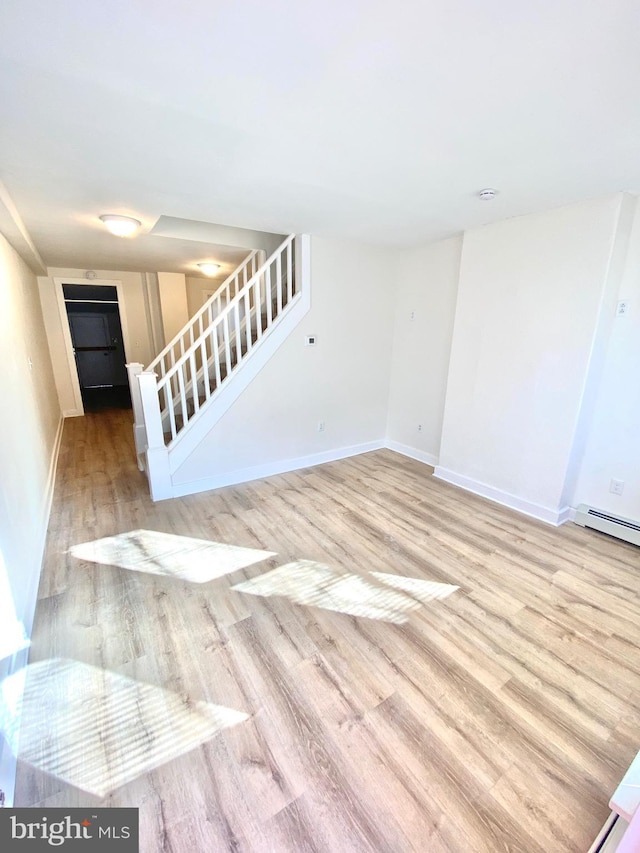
(364, 119)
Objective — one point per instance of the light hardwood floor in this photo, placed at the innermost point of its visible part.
(498, 718)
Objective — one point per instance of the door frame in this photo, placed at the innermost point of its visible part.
(58, 281)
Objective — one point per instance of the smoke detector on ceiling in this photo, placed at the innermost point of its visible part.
(487, 195)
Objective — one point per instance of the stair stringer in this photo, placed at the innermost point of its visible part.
(187, 441)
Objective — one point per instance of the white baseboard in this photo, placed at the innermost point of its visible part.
(72, 413)
(257, 472)
(542, 513)
(245, 475)
(51, 482)
(45, 514)
(412, 452)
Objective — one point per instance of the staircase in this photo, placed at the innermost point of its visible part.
(187, 388)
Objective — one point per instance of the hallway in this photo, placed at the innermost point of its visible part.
(354, 657)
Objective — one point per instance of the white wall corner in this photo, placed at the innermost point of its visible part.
(15, 231)
(555, 517)
(518, 364)
(412, 452)
(602, 331)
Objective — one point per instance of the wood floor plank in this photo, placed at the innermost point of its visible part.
(443, 778)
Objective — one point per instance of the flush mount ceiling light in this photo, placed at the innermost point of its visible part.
(487, 195)
(209, 268)
(121, 226)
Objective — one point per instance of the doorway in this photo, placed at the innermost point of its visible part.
(97, 345)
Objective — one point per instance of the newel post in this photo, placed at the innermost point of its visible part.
(157, 454)
(139, 432)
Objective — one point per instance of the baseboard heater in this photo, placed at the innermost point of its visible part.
(614, 525)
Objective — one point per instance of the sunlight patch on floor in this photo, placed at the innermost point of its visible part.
(183, 557)
(98, 730)
(424, 591)
(319, 585)
(389, 598)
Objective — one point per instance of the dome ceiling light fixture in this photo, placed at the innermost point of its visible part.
(121, 226)
(488, 194)
(209, 268)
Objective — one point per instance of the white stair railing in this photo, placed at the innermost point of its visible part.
(203, 318)
(181, 342)
(196, 364)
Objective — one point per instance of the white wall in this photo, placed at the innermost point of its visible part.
(138, 345)
(196, 286)
(612, 447)
(527, 311)
(151, 291)
(30, 430)
(343, 380)
(173, 303)
(427, 288)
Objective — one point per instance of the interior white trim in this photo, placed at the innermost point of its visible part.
(556, 517)
(245, 475)
(412, 452)
(47, 499)
(283, 466)
(58, 281)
